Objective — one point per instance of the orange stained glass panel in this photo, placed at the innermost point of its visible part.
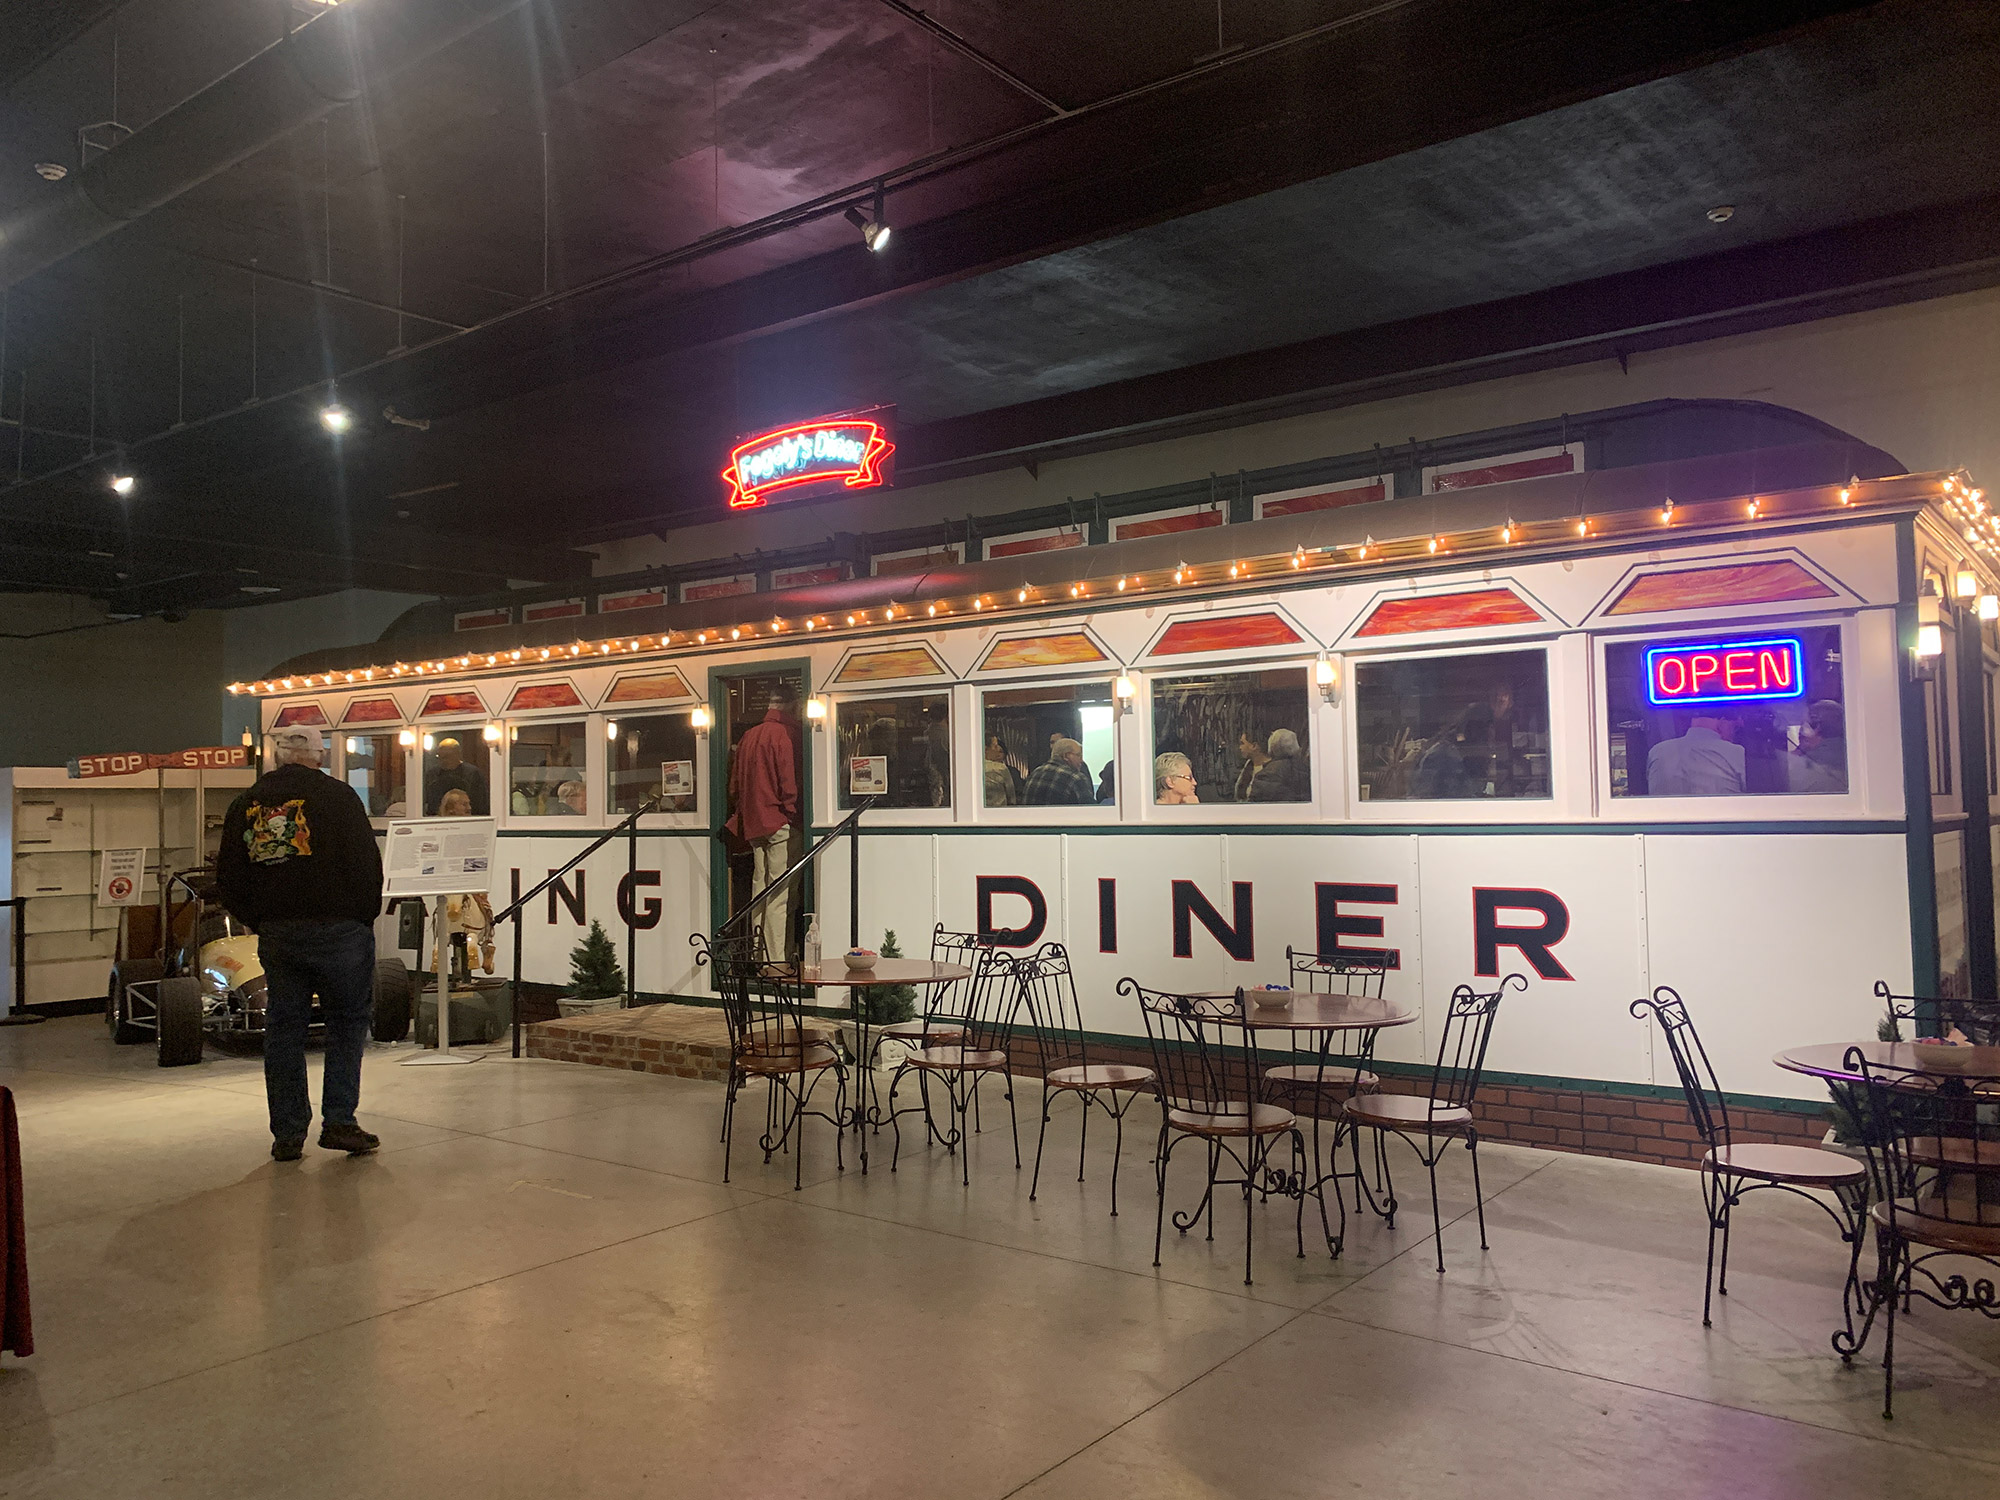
(1705, 588)
(1232, 632)
(1201, 520)
(878, 666)
(459, 702)
(300, 713)
(544, 695)
(1021, 546)
(1293, 505)
(372, 711)
(1067, 648)
(652, 686)
(1449, 612)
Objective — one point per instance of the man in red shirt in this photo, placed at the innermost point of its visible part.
(764, 790)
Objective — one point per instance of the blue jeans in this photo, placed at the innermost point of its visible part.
(336, 961)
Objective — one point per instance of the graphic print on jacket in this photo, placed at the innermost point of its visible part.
(276, 834)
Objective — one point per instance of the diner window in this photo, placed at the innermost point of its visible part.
(377, 769)
(897, 750)
(1234, 737)
(1453, 728)
(1992, 750)
(1050, 746)
(1785, 732)
(545, 770)
(1937, 702)
(653, 757)
(455, 761)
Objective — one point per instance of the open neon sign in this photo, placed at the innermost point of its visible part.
(850, 450)
(1725, 672)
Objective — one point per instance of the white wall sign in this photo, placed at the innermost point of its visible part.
(121, 877)
(438, 856)
(867, 775)
(677, 778)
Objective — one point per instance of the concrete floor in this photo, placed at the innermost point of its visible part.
(540, 1286)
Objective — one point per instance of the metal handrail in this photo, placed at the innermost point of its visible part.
(630, 828)
(848, 827)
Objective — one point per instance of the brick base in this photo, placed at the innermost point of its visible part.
(681, 1041)
(687, 1041)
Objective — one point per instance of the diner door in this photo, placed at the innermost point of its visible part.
(746, 700)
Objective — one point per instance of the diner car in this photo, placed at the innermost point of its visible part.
(1700, 694)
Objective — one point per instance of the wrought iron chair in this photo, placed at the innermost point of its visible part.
(943, 1020)
(769, 1038)
(1731, 1168)
(1207, 1072)
(1048, 999)
(1429, 1122)
(1940, 1166)
(984, 1047)
(1317, 1086)
(1938, 1015)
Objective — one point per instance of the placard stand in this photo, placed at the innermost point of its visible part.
(443, 1055)
(440, 858)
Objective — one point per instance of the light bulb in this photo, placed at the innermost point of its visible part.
(492, 734)
(407, 738)
(611, 729)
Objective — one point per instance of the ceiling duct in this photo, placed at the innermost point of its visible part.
(295, 80)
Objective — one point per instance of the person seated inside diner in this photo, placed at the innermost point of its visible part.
(1284, 776)
(1173, 780)
(1107, 785)
(1819, 764)
(570, 798)
(1704, 762)
(1063, 781)
(1003, 787)
(1254, 760)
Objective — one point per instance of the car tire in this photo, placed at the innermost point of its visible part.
(180, 1022)
(117, 1012)
(392, 1000)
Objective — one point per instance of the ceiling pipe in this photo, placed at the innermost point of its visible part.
(305, 74)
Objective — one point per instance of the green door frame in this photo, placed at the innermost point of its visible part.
(718, 771)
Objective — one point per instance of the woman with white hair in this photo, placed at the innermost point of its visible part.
(1284, 777)
(1173, 780)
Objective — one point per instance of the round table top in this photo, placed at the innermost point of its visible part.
(836, 975)
(1828, 1060)
(1313, 1010)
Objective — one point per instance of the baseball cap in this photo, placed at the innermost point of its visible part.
(297, 738)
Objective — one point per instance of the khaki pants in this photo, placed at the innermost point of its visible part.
(770, 857)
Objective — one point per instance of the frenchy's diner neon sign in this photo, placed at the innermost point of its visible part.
(851, 450)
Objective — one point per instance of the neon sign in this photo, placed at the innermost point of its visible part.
(851, 450)
(1725, 672)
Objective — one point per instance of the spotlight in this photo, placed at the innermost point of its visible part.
(336, 418)
(121, 485)
(875, 232)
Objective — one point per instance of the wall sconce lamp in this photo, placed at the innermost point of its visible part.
(491, 733)
(816, 712)
(1122, 692)
(1326, 673)
(700, 717)
(611, 729)
(1989, 606)
(1930, 637)
(407, 738)
(430, 742)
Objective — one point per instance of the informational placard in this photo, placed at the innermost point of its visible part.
(121, 877)
(677, 778)
(867, 775)
(438, 857)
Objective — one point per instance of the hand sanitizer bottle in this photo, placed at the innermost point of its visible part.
(810, 954)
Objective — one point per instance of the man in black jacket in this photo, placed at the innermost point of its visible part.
(300, 868)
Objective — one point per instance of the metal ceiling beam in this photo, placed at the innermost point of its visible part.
(305, 73)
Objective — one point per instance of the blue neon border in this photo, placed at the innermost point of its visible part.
(1798, 661)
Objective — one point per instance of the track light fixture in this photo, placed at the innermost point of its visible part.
(875, 228)
(335, 418)
(121, 485)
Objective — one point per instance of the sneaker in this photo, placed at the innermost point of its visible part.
(288, 1150)
(350, 1138)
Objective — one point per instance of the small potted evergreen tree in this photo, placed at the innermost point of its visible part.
(889, 1003)
(596, 982)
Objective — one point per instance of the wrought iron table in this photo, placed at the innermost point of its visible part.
(1316, 1014)
(887, 971)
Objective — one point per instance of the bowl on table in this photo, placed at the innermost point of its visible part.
(1935, 1052)
(1270, 996)
(859, 960)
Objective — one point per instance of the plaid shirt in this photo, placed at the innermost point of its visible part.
(1061, 784)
